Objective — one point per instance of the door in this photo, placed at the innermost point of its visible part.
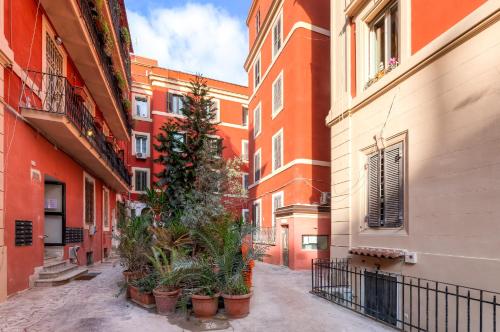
(381, 297)
(55, 213)
(284, 245)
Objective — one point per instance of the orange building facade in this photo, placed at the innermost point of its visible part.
(288, 68)
(64, 128)
(156, 97)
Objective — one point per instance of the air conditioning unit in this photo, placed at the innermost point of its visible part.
(140, 155)
(325, 198)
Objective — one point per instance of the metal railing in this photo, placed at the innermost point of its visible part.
(54, 94)
(403, 302)
(116, 15)
(106, 62)
(264, 235)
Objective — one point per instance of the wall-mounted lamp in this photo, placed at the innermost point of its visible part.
(89, 133)
(58, 40)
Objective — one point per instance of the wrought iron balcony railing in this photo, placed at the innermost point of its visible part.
(106, 62)
(116, 15)
(265, 235)
(54, 94)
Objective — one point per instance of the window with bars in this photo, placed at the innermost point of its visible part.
(278, 95)
(175, 103)
(141, 180)
(386, 187)
(278, 150)
(53, 85)
(277, 35)
(89, 201)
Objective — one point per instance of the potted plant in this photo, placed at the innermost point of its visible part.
(205, 287)
(167, 290)
(141, 290)
(134, 241)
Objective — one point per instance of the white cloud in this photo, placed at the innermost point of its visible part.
(197, 38)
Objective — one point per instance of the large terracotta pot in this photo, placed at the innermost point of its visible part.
(237, 306)
(146, 300)
(129, 277)
(166, 300)
(205, 306)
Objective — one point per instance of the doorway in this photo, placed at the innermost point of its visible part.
(284, 246)
(54, 216)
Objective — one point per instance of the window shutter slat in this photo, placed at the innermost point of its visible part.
(373, 191)
(393, 186)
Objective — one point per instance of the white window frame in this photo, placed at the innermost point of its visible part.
(243, 143)
(280, 194)
(134, 107)
(243, 180)
(279, 21)
(87, 176)
(275, 112)
(259, 203)
(243, 211)
(257, 153)
(216, 104)
(255, 131)
(178, 94)
(47, 29)
(255, 83)
(278, 133)
(257, 22)
(217, 137)
(247, 117)
(148, 146)
(106, 190)
(148, 177)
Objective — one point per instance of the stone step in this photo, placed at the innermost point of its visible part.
(54, 265)
(54, 273)
(61, 280)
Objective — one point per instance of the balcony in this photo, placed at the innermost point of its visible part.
(265, 235)
(75, 24)
(123, 46)
(57, 110)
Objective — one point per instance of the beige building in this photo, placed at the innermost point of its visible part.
(415, 137)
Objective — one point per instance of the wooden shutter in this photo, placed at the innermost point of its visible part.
(374, 190)
(393, 186)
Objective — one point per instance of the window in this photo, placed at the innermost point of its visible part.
(315, 242)
(245, 181)
(175, 103)
(105, 208)
(385, 187)
(256, 166)
(384, 41)
(257, 121)
(278, 150)
(215, 108)
(257, 214)
(89, 203)
(215, 146)
(244, 116)
(278, 94)
(257, 22)
(178, 141)
(141, 107)
(141, 180)
(256, 72)
(245, 215)
(278, 202)
(141, 145)
(244, 150)
(278, 35)
(53, 84)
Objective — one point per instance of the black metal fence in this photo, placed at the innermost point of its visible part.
(54, 94)
(403, 302)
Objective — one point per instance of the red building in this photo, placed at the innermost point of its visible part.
(156, 97)
(288, 69)
(64, 114)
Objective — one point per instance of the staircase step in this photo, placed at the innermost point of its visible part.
(61, 280)
(54, 273)
(54, 265)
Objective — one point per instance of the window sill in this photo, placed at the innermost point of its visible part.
(396, 232)
(138, 118)
(277, 112)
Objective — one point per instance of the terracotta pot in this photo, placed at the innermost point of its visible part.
(237, 306)
(129, 277)
(205, 306)
(166, 300)
(146, 300)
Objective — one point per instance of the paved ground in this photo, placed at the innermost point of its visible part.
(281, 302)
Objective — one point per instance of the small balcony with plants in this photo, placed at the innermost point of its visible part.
(58, 110)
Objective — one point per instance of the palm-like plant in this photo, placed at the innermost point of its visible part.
(135, 242)
(155, 200)
(169, 274)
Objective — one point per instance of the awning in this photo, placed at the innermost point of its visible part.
(378, 252)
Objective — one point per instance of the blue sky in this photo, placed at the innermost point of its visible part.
(207, 37)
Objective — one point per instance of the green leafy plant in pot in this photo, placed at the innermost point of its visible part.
(229, 243)
(141, 290)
